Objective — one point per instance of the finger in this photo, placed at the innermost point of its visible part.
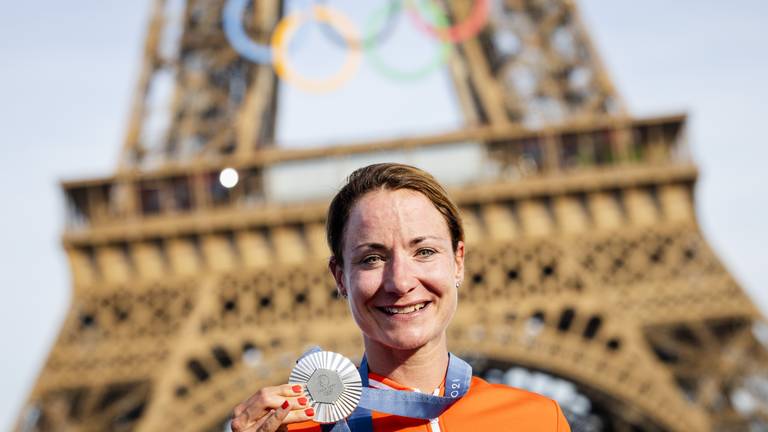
(298, 403)
(304, 413)
(291, 390)
(259, 423)
(298, 409)
(271, 398)
(252, 410)
(267, 394)
(283, 428)
(300, 415)
(273, 421)
(261, 403)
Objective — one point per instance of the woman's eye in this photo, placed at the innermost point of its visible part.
(371, 259)
(425, 252)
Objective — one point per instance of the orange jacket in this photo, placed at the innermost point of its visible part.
(485, 407)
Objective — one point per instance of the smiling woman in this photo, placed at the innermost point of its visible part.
(401, 272)
(398, 258)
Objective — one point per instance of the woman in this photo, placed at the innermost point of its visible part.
(398, 258)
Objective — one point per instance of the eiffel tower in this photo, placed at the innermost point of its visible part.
(588, 278)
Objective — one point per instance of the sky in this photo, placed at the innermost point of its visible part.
(67, 76)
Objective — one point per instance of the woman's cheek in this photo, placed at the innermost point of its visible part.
(440, 277)
(365, 283)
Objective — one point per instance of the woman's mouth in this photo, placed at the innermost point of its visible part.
(401, 310)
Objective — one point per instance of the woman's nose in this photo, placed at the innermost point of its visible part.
(400, 276)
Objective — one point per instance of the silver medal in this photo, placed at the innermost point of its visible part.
(333, 384)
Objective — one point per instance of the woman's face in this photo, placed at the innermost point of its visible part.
(400, 271)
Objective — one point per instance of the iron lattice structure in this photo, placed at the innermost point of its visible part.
(586, 263)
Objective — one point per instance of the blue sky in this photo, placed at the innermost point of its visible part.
(68, 72)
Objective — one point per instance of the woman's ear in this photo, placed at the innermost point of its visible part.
(337, 270)
(459, 262)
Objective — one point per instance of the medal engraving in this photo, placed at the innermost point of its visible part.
(325, 386)
(332, 383)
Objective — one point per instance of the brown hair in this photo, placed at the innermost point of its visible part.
(392, 176)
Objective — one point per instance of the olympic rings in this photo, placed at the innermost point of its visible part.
(386, 70)
(285, 31)
(464, 30)
(429, 17)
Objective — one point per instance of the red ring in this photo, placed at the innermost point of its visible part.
(464, 30)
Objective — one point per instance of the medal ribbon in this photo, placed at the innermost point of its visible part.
(404, 403)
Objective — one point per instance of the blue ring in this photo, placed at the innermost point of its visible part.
(231, 18)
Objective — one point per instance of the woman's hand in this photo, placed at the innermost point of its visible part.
(271, 408)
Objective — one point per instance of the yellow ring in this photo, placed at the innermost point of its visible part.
(287, 28)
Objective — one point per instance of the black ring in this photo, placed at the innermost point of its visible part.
(395, 6)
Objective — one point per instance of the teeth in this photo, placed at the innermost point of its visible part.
(406, 309)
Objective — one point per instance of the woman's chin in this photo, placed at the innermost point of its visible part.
(405, 342)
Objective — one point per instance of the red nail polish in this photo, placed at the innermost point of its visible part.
(309, 412)
(296, 389)
(284, 405)
(302, 401)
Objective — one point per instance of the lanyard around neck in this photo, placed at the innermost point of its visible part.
(405, 403)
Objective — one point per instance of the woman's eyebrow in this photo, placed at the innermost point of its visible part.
(376, 246)
(420, 239)
(379, 246)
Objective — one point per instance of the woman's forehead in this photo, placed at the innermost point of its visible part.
(403, 210)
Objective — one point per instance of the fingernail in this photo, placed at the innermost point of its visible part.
(284, 405)
(296, 388)
(309, 412)
(302, 401)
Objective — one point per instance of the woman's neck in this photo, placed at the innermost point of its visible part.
(422, 368)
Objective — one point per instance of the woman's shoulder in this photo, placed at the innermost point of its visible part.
(497, 404)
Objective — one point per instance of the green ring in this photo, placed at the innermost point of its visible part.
(377, 19)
